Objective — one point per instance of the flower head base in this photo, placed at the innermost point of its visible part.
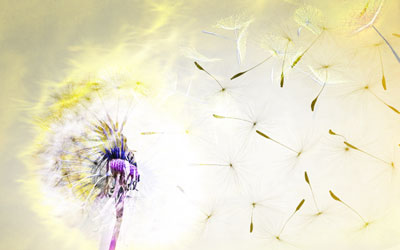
(125, 173)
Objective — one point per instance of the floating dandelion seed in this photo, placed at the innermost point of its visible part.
(322, 88)
(310, 18)
(351, 146)
(377, 46)
(366, 223)
(290, 217)
(251, 117)
(319, 212)
(383, 72)
(233, 118)
(228, 166)
(366, 87)
(289, 40)
(297, 60)
(260, 202)
(202, 69)
(253, 205)
(283, 145)
(239, 24)
(230, 173)
(279, 45)
(243, 72)
(369, 15)
(208, 209)
(324, 74)
(333, 133)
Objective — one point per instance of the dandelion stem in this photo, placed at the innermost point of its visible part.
(119, 209)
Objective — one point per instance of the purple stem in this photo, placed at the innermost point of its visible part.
(119, 209)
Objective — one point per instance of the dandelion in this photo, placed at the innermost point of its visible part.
(97, 165)
(120, 164)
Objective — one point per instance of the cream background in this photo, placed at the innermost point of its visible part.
(36, 46)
